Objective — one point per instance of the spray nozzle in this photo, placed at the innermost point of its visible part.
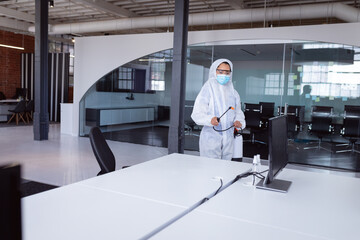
(218, 119)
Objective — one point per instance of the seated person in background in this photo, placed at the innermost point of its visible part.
(215, 97)
(306, 101)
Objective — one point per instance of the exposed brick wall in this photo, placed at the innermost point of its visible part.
(10, 60)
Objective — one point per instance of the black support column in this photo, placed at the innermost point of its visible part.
(176, 131)
(41, 113)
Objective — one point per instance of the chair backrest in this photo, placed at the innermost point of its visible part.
(267, 109)
(102, 151)
(253, 119)
(30, 106)
(352, 111)
(187, 115)
(189, 103)
(254, 107)
(321, 124)
(351, 127)
(294, 110)
(20, 107)
(252, 115)
(322, 109)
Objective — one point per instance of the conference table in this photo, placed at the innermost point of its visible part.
(164, 199)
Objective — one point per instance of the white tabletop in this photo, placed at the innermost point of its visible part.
(79, 212)
(177, 179)
(199, 225)
(317, 204)
(132, 202)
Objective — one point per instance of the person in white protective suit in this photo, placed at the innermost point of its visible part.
(215, 97)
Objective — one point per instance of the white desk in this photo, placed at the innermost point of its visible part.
(199, 225)
(318, 206)
(132, 202)
(176, 179)
(126, 204)
(79, 212)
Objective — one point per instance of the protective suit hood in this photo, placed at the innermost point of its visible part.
(214, 66)
(221, 93)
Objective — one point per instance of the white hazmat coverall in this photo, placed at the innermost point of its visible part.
(213, 100)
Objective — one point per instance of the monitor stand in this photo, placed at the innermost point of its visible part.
(276, 185)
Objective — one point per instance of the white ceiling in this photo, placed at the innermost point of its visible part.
(19, 15)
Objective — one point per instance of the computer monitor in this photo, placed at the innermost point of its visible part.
(10, 205)
(278, 155)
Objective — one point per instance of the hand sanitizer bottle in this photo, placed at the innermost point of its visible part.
(256, 168)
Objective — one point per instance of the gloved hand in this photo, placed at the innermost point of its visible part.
(237, 124)
(214, 121)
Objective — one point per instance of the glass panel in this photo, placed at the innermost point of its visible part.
(290, 77)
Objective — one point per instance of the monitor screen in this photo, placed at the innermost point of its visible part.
(278, 155)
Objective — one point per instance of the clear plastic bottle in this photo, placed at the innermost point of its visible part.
(256, 168)
(251, 180)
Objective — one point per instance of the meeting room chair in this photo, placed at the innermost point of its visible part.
(294, 118)
(321, 124)
(188, 121)
(351, 127)
(102, 151)
(18, 112)
(266, 111)
(253, 120)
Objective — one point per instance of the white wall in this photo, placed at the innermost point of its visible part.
(96, 56)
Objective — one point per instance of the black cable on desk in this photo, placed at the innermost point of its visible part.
(196, 205)
(219, 187)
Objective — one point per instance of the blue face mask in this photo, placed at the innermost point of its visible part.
(222, 78)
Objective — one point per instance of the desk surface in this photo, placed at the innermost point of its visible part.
(79, 212)
(177, 179)
(199, 225)
(318, 206)
(132, 202)
(126, 204)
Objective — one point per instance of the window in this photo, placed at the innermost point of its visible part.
(333, 80)
(158, 76)
(128, 78)
(124, 79)
(274, 84)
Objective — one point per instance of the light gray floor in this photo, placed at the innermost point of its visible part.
(65, 159)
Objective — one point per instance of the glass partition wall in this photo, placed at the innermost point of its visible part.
(305, 80)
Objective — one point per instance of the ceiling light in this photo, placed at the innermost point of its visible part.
(8, 46)
(73, 40)
(51, 3)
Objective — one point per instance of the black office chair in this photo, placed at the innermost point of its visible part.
(321, 124)
(294, 115)
(188, 121)
(29, 109)
(351, 127)
(18, 112)
(266, 111)
(253, 121)
(102, 151)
